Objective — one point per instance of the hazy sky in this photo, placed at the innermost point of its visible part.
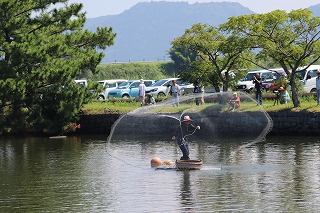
(96, 8)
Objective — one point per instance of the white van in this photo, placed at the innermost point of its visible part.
(307, 77)
(247, 84)
(107, 86)
(82, 82)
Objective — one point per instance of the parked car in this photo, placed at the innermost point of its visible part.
(247, 84)
(307, 77)
(185, 87)
(128, 89)
(269, 79)
(161, 88)
(107, 86)
(82, 82)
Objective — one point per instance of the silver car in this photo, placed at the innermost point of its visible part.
(107, 86)
(162, 87)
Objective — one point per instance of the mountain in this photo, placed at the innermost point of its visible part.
(315, 9)
(145, 31)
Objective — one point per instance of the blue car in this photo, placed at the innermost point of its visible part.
(129, 89)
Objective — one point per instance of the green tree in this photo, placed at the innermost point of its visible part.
(290, 39)
(43, 48)
(224, 54)
(200, 73)
(182, 57)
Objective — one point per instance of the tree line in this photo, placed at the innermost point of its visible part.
(207, 54)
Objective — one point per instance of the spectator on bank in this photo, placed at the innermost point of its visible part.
(150, 100)
(175, 92)
(142, 92)
(283, 95)
(258, 88)
(198, 91)
(234, 102)
(318, 87)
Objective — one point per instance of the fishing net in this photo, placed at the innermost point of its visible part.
(213, 112)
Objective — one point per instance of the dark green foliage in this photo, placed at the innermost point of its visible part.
(289, 39)
(169, 69)
(201, 74)
(42, 51)
(182, 57)
(133, 71)
(209, 57)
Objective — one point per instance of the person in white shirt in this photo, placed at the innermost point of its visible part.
(318, 87)
(142, 92)
(175, 91)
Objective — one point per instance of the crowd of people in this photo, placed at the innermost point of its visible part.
(282, 95)
(148, 99)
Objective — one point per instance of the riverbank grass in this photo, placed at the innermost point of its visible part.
(124, 106)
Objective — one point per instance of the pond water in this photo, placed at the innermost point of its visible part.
(86, 174)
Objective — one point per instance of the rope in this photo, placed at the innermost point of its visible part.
(123, 161)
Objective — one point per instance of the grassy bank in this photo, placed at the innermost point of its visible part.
(308, 103)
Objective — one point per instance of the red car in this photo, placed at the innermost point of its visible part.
(268, 80)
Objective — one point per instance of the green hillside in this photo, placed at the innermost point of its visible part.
(145, 70)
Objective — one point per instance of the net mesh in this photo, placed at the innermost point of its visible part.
(211, 111)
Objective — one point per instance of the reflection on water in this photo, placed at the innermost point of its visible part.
(85, 174)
